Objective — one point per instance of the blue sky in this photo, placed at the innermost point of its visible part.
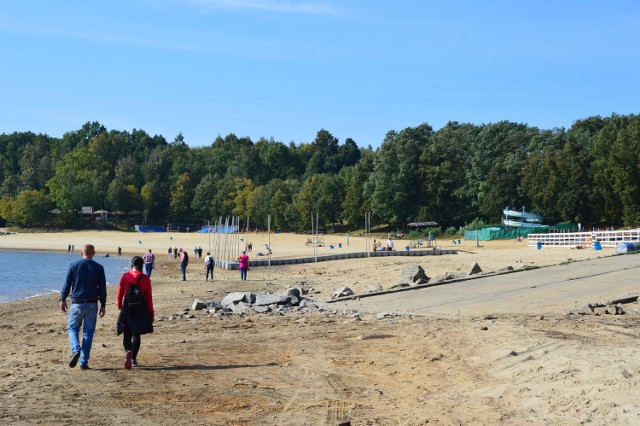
(286, 69)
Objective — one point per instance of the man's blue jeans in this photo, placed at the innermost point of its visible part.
(183, 267)
(243, 274)
(85, 315)
(148, 267)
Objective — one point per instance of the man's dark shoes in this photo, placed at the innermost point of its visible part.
(74, 359)
(84, 366)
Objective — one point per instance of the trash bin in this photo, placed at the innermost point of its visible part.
(597, 245)
(539, 245)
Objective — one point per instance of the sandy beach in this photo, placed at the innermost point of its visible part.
(329, 367)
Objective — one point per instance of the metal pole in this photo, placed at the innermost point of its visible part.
(238, 237)
(315, 240)
(367, 225)
(226, 239)
(269, 237)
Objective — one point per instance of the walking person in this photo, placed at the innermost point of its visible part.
(135, 301)
(184, 262)
(87, 284)
(244, 265)
(209, 262)
(149, 262)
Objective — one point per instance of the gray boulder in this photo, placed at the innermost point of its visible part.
(475, 269)
(214, 305)
(270, 299)
(293, 300)
(413, 275)
(237, 297)
(198, 305)
(240, 308)
(342, 292)
(294, 292)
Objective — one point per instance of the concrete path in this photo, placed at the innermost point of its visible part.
(554, 289)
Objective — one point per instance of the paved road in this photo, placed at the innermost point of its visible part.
(556, 289)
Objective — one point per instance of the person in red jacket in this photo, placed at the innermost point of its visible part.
(135, 319)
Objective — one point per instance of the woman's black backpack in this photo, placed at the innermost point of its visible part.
(135, 300)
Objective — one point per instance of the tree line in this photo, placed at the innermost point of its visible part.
(459, 174)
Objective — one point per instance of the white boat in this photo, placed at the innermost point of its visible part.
(510, 223)
(520, 219)
(526, 216)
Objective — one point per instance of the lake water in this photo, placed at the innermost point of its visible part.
(26, 274)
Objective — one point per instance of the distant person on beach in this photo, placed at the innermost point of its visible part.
(87, 284)
(169, 253)
(390, 245)
(209, 263)
(119, 251)
(135, 301)
(199, 252)
(69, 249)
(149, 262)
(184, 262)
(175, 252)
(244, 265)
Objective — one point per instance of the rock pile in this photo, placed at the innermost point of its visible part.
(247, 302)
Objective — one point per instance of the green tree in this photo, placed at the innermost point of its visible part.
(499, 148)
(36, 166)
(322, 194)
(204, 194)
(129, 172)
(355, 204)
(30, 208)
(122, 197)
(618, 169)
(181, 198)
(6, 206)
(443, 165)
(324, 154)
(396, 195)
(541, 181)
(81, 179)
(156, 172)
(276, 161)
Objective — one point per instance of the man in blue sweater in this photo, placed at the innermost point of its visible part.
(87, 285)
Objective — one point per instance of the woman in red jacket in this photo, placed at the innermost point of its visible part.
(135, 301)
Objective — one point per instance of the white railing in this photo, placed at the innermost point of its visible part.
(585, 239)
